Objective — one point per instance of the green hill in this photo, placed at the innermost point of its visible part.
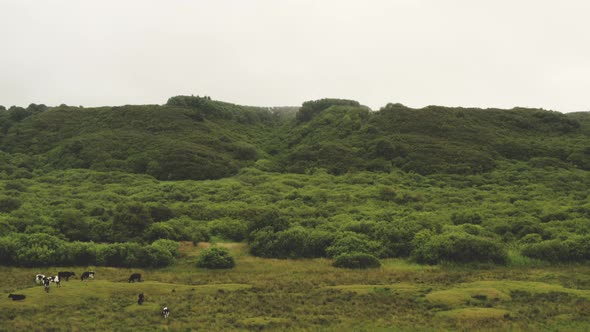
(434, 139)
(205, 140)
(198, 138)
(329, 179)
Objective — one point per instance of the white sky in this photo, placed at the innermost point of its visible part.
(500, 53)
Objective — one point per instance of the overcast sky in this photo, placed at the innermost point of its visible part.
(531, 53)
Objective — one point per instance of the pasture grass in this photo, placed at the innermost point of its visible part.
(301, 295)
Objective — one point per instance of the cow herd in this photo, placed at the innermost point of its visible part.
(45, 281)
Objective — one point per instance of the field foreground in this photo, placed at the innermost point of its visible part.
(268, 294)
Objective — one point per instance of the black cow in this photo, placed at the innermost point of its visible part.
(65, 275)
(135, 277)
(87, 275)
(16, 297)
(140, 299)
(165, 312)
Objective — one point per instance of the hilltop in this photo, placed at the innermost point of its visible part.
(198, 138)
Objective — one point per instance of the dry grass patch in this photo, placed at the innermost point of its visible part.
(365, 289)
(461, 296)
(475, 314)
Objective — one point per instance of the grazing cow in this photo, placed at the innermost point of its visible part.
(16, 297)
(135, 277)
(39, 279)
(65, 275)
(87, 275)
(140, 299)
(56, 280)
(46, 282)
(165, 312)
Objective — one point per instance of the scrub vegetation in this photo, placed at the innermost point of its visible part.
(332, 189)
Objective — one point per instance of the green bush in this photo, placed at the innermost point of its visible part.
(78, 253)
(155, 256)
(230, 229)
(316, 243)
(459, 247)
(8, 204)
(169, 245)
(466, 217)
(531, 238)
(160, 230)
(574, 249)
(216, 258)
(312, 107)
(356, 260)
(348, 242)
(289, 243)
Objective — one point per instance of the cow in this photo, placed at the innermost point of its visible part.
(56, 280)
(165, 312)
(39, 279)
(46, 283)
(135, 277)
(16, 297)
(140, 299)
(87, 275)
(65, 275)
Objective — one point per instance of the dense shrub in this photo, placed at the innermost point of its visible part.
(574, 249)
(8, 246)
(356, 261)
(396, 237)
(289, 243)
(265, 219)
(230, 229)
(45, 250)
(458, 247)
(155, 256)
(216, 258)
(349, 242)
(129, 221)
(37, 249)
(316, 243)
(531, 238)
(160, 230)
(466, 217)
(8, 204)
(78, 253)
(169, 245)
(185, 229)
(312, 107)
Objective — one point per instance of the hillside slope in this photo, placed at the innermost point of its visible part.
(434, 139)
(198, 138)
(208, 140)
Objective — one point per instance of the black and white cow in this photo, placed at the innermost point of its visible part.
(140, 299)
(135, 277)
(46, 283)
(87, 275)
(39, 279)
(16, 297)
(65, 275)
(165, 312)
(56, 280)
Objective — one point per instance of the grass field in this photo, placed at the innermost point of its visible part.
(268, 294)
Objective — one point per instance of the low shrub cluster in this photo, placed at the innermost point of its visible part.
(457, 246)
(573, 249)
(356, 260)
(44, 250)
(216, 258)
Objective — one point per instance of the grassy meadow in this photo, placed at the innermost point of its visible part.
(303, 294)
